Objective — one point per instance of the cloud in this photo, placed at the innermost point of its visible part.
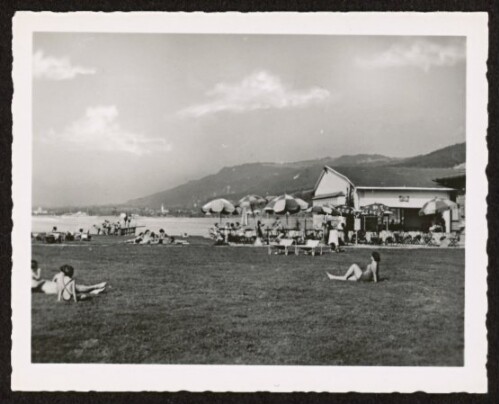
(422, 54)
(52, 68)
(99, 130)
(260, 90)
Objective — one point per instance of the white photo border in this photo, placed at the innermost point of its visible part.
(472, 377)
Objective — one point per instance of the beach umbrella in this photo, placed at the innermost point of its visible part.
(320, 210)
(326, 210)
(335, 211)
(251, 201)
(220, 206)
(345, 210)
(286, 204)
(376, 209)
(302, 203)
(437, 205)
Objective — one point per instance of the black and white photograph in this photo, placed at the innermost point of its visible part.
(293, 201)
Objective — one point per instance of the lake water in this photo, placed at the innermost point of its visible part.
(195, 226)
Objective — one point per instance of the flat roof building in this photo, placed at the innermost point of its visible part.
(404, 189)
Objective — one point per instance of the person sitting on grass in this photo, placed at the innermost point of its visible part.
(162, 236)
(354, 273)
(36, 274)
(39, 285)
(68, 290)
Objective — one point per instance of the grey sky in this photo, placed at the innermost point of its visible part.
(118, 116)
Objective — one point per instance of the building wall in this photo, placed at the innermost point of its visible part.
(399, 198)
(331, 183)
(336, 200)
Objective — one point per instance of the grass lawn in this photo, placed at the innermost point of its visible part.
(200, 304)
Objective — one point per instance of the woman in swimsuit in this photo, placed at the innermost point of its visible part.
(53, 287)
(38, 284)
(68, 290)
(355, 273)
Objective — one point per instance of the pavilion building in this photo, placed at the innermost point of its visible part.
(403, 189)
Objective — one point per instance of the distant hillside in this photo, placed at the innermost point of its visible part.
(297, 178)
(364, 160)
(450, 156)
(235, 182)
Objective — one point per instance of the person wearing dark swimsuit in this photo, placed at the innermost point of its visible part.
(68, 290)
(355, 273)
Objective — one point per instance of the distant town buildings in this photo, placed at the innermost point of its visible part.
(40, 211)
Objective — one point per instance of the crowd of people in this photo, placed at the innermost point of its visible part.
(233, 232)
(56, 236)
(66, 288)
(110, 228)
(151, 237)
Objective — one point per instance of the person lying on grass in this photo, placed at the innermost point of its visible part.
(142, 238)
(68, 290)
(354, 273)
(39, 285)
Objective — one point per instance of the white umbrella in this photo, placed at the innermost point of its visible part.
(220, 206)
(437, 205)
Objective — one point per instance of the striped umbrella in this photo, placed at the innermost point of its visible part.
(324, 210)
(376, 209)
(320, 210)
(345, 210)
(220, 206)
(251, 201)
(437, 205)
(286, 204)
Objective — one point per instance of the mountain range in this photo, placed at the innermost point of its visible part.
(299, 178)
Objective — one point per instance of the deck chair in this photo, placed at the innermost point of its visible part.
(310, 247)
(429, 241)
(454, 241)
(283, 246)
